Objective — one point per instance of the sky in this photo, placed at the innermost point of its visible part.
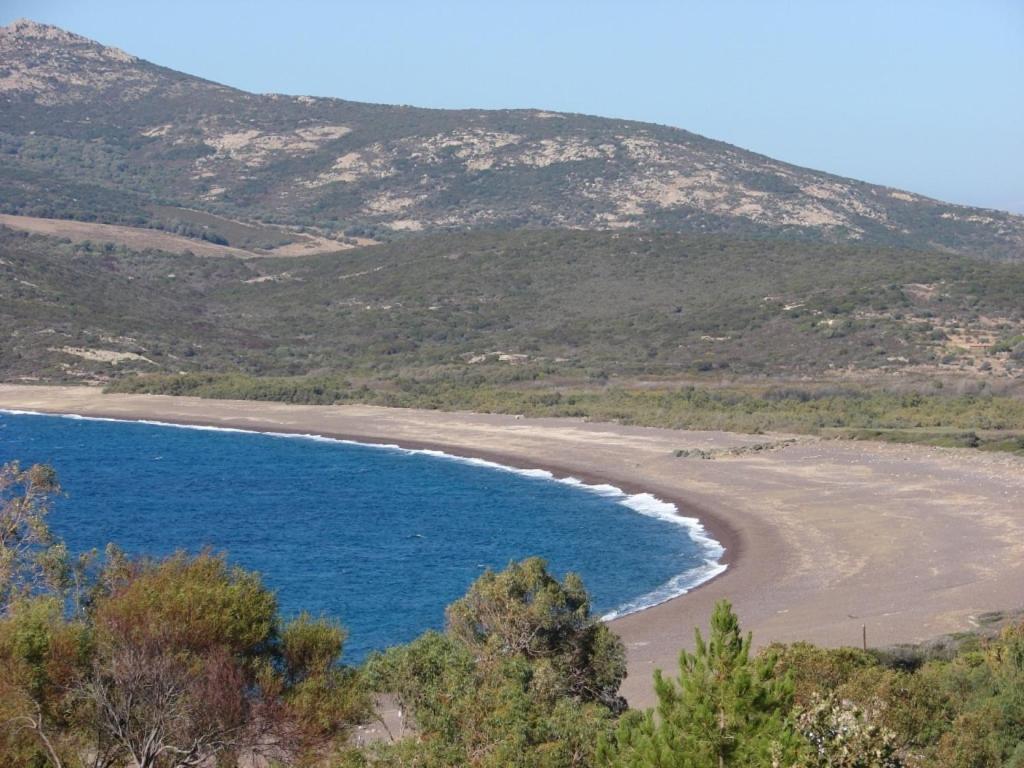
(925, 96)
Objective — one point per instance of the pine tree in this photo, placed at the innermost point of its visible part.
(725, 709)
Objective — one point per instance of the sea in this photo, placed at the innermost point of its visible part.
(380, 538)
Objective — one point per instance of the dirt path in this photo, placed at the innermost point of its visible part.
(136, 238)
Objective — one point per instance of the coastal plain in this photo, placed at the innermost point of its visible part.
(825, 539)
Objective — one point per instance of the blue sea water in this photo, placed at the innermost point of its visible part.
(379, 538)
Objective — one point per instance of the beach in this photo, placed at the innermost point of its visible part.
(824, 539)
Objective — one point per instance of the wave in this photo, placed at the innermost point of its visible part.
(643, 503)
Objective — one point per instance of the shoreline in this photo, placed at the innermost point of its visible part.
(824, 539)
(702, 534)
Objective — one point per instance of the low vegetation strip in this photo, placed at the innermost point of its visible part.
(978, 421)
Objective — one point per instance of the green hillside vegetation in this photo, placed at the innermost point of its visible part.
(586, 304)
(186, 661)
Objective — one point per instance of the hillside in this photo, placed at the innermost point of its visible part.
(94, 133)
(579, 304)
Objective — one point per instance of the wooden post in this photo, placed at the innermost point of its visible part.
(864, 635)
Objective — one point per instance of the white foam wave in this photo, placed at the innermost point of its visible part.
(642, 503)
(674, 587)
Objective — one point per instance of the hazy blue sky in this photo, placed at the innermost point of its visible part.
(928, 96)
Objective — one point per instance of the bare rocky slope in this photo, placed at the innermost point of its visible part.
(92, 132)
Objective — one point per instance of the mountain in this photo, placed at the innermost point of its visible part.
(91, 132)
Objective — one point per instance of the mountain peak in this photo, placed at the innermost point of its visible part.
(50, 66)
(27, 31)
(27, 28)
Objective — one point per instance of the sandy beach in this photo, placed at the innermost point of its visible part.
(822, 537)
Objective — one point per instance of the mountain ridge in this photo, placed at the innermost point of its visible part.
(132, 134)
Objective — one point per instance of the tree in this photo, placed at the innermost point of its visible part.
(31, 560)
(176, 678)
(157, 710)
(988, 685)
(191, 666)
(43, 657)
(524, 611)
(42, 652)
(523, 676)
(725, 709)
(322, 699)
